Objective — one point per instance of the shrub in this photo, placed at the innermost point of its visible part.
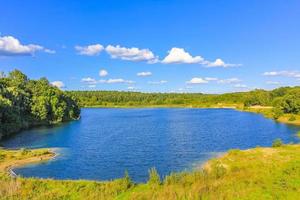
(218, 170)
(173, 178)
(277, 143)
(154, 178)
(298, 134)
(277, 112)
(2, 156)
(292, 118)
(127, 180)
(24, 151)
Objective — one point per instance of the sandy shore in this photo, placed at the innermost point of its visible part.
(8, 166)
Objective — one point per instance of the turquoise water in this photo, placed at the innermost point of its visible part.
(106, 142)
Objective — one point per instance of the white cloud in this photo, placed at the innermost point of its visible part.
(292, 74)
(131, 88)
(131, 54)
(90, 50)
(49, 51)
(229, 81)
(211, 78)
(273, 82)
(92, 81)
(58, 84)
(144, 74)
(103, 73)
(197, 80)
(240, 86)
(89, 80)
(91, 86)
(157, 82)
(116, 80)
(10, 46)
(179, 55)
(220, 63)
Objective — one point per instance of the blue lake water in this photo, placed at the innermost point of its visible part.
(106, 142)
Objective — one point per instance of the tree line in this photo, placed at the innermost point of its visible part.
(283, 100)
(26, 103)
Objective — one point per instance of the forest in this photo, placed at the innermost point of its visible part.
(282, 100)
(26, 103)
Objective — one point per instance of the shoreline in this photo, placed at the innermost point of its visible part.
(254, 109)
(9, 167)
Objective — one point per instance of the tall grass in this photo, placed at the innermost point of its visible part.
(260, 173)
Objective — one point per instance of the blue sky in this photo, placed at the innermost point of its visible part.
(210, 46)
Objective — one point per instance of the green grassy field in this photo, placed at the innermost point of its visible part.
(259, 173)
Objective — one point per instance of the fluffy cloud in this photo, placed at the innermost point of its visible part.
(89, 80)
(90, 50)
(92, 81)
(132, 88)
(292, 74)
(179, 55)
(229, 81)
(58, 84)
(10, 46)
(144, 74)
(103, 73)
(220, 63)
(157, 82)
(197, 80)
(132, 54)
(116, 80)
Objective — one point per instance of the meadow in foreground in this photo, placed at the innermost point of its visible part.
(259, 173)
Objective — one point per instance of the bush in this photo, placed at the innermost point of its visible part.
(277, 112)
(24, 151)
(298, 134)
(218, 170)
(277, 143)
(173, 178)
(292, 118)
(127, 180)
(154, 178)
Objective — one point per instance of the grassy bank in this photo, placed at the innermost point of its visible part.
(268, 112)
(259, 173)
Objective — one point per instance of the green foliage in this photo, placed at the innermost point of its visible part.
(292, 118)
(127, 180)
(25, 151)
(277, 112)
(154, 178)
(25, 103)
(298, 134)
(277, 143)
(260, 173)
(283, 100)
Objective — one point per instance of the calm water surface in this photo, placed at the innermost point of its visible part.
(106, 142)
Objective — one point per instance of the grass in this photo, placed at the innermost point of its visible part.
(259, 173)
(269, 113)
(298, 134)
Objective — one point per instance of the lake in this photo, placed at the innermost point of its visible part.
(106, 142)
